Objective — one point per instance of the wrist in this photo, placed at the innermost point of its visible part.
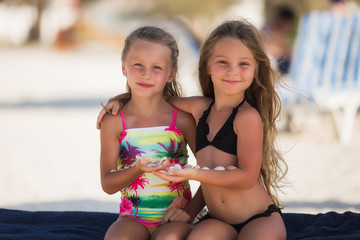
(137, 168)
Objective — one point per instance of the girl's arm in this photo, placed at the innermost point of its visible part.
(189, 212)
(113, 180)
(248, 126)
(193, 105)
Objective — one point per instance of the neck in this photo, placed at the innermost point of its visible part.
(144, 106)
(227, 102)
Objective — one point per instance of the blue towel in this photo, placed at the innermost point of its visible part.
(26, 225)
(29, 225)
(331, 225)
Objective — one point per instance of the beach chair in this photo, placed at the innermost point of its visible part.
(325, 68)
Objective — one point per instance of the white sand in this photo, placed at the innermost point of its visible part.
(49, 156)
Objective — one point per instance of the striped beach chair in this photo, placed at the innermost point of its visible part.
(325, 68)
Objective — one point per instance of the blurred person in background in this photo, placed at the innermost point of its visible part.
(277, 34)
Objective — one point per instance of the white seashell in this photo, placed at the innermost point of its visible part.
(177, 166)
(219, 168)
(231, 168)
(196, 167)
(152, 162)
(205, 168)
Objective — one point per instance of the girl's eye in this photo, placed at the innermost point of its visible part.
(222, 62)
(137, 65)
(244, 64)
(157, 67)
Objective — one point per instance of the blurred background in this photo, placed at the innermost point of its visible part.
(59, 59)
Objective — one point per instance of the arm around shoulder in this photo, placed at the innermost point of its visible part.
(193, 105)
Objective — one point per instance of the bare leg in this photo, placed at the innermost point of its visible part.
(269, 228)
(125, 228)
(213, 229)
(172, 231)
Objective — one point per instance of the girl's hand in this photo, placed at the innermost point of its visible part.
(112, 107)
(178, 175)
(175, 214)
(143, 166)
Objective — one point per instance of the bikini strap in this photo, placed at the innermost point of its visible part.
(123, 120)
(174, 117)
(237, 107)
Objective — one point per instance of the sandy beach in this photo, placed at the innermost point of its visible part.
(49, 144)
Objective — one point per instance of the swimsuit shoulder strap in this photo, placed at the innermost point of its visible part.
(174, 117)
(123, 120)
(207, 111)
(237, 107)
(124, 127)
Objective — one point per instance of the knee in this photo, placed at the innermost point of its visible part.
(196, 235)
(168, 235)
(117, 238)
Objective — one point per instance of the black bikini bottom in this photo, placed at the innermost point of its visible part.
(272, 208)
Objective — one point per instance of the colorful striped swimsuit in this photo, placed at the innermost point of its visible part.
(146, 199)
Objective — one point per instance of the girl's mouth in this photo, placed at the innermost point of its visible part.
(145, 85)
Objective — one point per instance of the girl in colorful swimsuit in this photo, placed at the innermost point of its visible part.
(147, 131)
(240, 169)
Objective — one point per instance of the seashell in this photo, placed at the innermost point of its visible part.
(231, 168)
(205, 168)
(169, 172)
(148, 159)
(196, 167)
(177, 166)
(188, 166)
(219, 168)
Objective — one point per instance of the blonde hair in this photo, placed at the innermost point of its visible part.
(155, 35)
(261, 95)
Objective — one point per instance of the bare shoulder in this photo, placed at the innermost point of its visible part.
(247, 116)
(200, 104)
(111, 122)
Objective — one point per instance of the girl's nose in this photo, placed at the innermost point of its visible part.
(234, 69)
(146, 73)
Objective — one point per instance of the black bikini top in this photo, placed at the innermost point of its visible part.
(225, 139)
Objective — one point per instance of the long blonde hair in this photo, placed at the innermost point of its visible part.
(261, 95)
(155, 35)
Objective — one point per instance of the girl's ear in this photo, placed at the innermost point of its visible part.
(172, 74)
(123, 70)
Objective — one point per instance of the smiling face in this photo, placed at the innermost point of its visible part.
(147, 67)
(231, 66)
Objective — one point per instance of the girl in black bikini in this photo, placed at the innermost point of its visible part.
(235, 133)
